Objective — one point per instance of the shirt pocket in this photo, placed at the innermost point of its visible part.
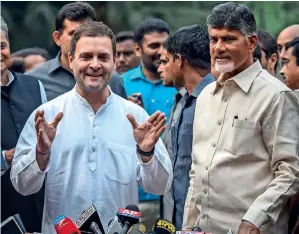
(240, 139)
(120, 163)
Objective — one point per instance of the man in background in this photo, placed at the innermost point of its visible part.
(32, 58)
(285, 36)
(56, 74)
(145, 88)
(20, 95)
(189, 63)
(269, 50)
(125, 51)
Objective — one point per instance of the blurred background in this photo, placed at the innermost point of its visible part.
(32, 23)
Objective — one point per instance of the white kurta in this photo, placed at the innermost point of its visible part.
(93, 160)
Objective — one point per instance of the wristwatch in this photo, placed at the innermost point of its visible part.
(143, 153)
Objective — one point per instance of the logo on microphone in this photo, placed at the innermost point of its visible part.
(85, 215)
(128, 213)
(166, 225)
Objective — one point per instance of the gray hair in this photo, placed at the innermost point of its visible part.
(4, 27)
(233, 16)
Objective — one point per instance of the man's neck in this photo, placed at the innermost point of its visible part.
(95, 99)
(153, 76)
(65, 63)
(4, 78)
(192, 79)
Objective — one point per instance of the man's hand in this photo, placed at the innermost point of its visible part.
(45, 133)
(137, 99)
(147, 134)
(248, 228)
(8, 156)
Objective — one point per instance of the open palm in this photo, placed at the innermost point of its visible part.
(45, 132)
(147, 134)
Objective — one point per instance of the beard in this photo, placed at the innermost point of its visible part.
(224, 67)
(102, 84)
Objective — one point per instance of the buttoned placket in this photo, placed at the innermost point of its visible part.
(93, 146)
(225, 93)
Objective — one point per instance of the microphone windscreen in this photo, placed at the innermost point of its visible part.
(163, 226)
(64, 225)
(132, 207)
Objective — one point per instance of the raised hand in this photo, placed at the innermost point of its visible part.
(45, 132)
(147, 134)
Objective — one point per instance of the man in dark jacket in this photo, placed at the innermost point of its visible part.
(20, 96)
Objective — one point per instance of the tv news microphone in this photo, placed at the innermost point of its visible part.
(162, 226)
(64, 225)
(89, 221)
(137, 228)
(128, 217)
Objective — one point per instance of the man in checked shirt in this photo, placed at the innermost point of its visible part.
(246, 137)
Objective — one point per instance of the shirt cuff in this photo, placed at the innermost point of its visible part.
(256, 216)
(149, 163)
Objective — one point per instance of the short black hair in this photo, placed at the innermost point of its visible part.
(233, 16)
(258, 53)
(294, 43)
(125, 35)
(92, 29)
(192, 43)
(23, 53)
(75, 11)
(268, 44)
(148, 26)
(18, 65)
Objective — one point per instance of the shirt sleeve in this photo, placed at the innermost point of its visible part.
(25, 174)
(155, 177)
(42, 93)
(190, 213)
(280, 131)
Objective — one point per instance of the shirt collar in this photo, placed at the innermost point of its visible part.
(10, 78)
(244, 79)
(138, 74)
(178, 96)
(55, 63)
(84, 102)
(202, 84)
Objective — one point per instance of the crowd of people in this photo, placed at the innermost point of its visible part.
(198, 126)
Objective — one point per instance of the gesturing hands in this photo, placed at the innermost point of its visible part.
(45, 133)
(147, 134)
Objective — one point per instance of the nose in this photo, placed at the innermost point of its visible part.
(121, 57)
(160, 49)
(160, 69)
(282, 70)
(95, 64)
(219, 47)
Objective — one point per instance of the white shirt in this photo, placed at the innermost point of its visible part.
(93, 160)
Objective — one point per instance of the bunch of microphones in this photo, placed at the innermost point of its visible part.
(126, 221)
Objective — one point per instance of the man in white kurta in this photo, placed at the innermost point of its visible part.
(93, 158)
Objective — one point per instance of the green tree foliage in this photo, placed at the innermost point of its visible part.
(32, 23)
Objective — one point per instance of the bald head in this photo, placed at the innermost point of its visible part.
(285, 36)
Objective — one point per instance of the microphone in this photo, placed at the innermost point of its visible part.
(64, 225)
(163, 226)
(89, 221)
(128, 216)
(114, 226)
(137, 228)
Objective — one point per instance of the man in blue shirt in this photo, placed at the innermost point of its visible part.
(144, 87)
(188, 56)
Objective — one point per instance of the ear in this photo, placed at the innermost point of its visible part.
(114, 61)
(71, 59)
(252, 43)
(56, 37)
(273, 60)
(137, 50)
(179, 59)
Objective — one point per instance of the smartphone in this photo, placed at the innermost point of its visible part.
(11, 226)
